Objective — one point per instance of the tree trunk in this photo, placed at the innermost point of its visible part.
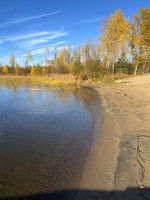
(107, 66)
(113, 67)
(136, 69)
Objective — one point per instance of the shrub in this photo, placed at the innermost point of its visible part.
(82, 76)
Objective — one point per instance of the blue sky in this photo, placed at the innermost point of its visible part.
(32, 24)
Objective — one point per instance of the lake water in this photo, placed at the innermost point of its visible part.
(45, 138)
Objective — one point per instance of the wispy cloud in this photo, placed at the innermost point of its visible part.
(62, 42)
(92, 20)
(27, 36)
(30, 35)
(57, 35)
(30, 43)
(33, 42)
(28, 19)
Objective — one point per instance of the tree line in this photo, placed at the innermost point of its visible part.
(123, 46)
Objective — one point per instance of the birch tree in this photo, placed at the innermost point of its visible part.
(141, 38)
(114, 37)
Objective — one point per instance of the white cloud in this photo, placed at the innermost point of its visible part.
(31, 43)
(28, 19)
(57, 35)
(53, 35)
(92, 20)
(62, 42)
(50, 35)
(27, 36)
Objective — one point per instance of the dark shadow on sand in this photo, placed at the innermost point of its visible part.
(128, 194)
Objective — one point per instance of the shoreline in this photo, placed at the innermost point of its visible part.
(100, 168)
(119, 159)
(99, 171)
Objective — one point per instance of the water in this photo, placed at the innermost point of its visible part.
(45, 138)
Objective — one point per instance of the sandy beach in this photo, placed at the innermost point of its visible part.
(119, 159)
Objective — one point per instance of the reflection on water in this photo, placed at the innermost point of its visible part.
(45, 137)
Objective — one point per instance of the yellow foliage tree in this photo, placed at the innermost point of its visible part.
(86, 50)
(140, 37)
(76, 55)
(115, 35)
(44, 71)
(17, 69)
(33, 71)
(47, 62)
(6, 69)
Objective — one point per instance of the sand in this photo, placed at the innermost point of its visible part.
(120, 157)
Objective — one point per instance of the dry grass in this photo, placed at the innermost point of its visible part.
(112, 79)
(53, 80)
(60, 80)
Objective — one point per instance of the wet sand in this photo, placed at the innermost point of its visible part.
(119, 160)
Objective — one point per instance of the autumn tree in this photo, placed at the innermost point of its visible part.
(44, 71)
(55, 52)
(63, 59)
(47, 54)
(33, 71)
(76, 55)
(91, 60)
(140, 38)
(76, 65)
(38, 69)
(114, 38)
(12, 62)
(68, 54)
(26, 70)
(17, 69)
(29, 57)
(1, 69)
(6, 69)
(95, 55)
(86, 50)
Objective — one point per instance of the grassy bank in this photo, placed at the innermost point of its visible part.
(60, 80)
(53, 80)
